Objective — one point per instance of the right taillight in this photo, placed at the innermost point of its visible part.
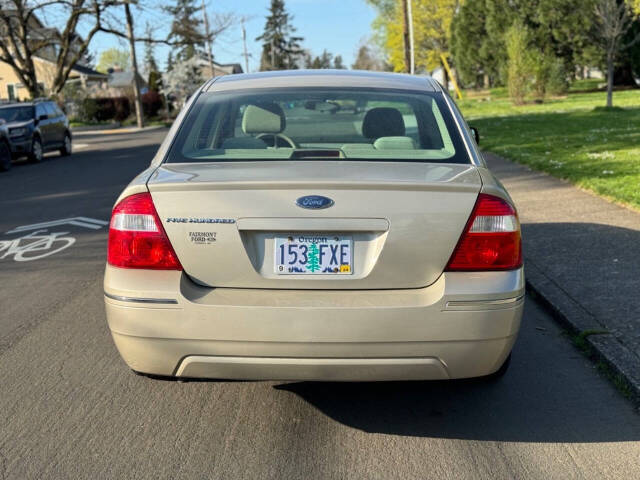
(491, 239)
(136, 236)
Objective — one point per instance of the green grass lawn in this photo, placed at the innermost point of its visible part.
(574, 138)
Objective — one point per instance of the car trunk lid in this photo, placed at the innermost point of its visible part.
(403, 219)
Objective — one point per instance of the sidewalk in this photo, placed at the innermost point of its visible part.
(582, 256)
(111, 131)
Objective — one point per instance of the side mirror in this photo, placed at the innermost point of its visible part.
(476, 134)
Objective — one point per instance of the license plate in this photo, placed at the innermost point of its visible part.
(311, 254)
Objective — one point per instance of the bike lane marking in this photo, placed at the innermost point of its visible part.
(85, 222)
(39, 240)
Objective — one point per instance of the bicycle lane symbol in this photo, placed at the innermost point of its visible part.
(35, 246)
(40, 243)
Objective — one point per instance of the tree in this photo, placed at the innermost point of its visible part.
(185, 28)
(322, 61)
(338, 63)
(280, 48)
(137, 97)
(477, 55)
(614, 19)
(182, 80)
(368, 58)
(170, 62)
(558, 28)
(432, 31)
(520, 74)
(23, 37)
(112, 58)
(150, 64)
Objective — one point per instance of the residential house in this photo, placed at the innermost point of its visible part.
(120, 84)
(218, 68)
(45, 64)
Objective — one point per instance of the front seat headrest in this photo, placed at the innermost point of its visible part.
(383, 122)
(263, 118)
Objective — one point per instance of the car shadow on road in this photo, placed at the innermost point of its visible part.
(550, 394)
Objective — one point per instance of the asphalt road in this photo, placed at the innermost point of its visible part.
(70, 408)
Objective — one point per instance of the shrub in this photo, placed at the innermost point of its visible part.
(122, 108)
(88, 110)
(151, 103)
(520, 65)
(103, 109)
(557, 83)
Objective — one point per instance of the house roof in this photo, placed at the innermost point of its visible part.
(123, 79)
(227, 68)
(82, 70)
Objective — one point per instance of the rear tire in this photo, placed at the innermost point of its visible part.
(5, 156)
(36, 153)
(65, 151)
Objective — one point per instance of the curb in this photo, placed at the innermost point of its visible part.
(93, 128)
(116, 131)
(571, 315)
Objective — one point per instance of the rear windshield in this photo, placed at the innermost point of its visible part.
(318, 123)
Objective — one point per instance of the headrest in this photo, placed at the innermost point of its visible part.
(383, 122)
(394, 143)
(263, 118)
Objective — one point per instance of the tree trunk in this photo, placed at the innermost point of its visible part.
(609, 80)
(134, 67)
(445, 77)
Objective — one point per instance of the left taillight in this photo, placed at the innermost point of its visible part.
(136, 236)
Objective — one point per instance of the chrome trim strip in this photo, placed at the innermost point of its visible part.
(482, 303)
(141, 300)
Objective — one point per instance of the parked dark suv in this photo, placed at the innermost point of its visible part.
(35, 128)
(5, 149)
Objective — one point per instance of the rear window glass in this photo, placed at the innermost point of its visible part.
(318, 123)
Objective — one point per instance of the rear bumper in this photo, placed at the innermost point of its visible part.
(464, 325)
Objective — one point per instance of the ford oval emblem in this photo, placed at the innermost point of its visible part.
(314, 201)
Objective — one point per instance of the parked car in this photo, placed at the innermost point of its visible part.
(5, 149)
(288, 244)
(36, 128)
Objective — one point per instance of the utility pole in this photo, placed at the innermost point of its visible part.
(244, 47)
(412, 68)
(134, 66)
(405, 36)
(207, 32)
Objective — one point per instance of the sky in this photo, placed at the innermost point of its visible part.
(335, 25)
